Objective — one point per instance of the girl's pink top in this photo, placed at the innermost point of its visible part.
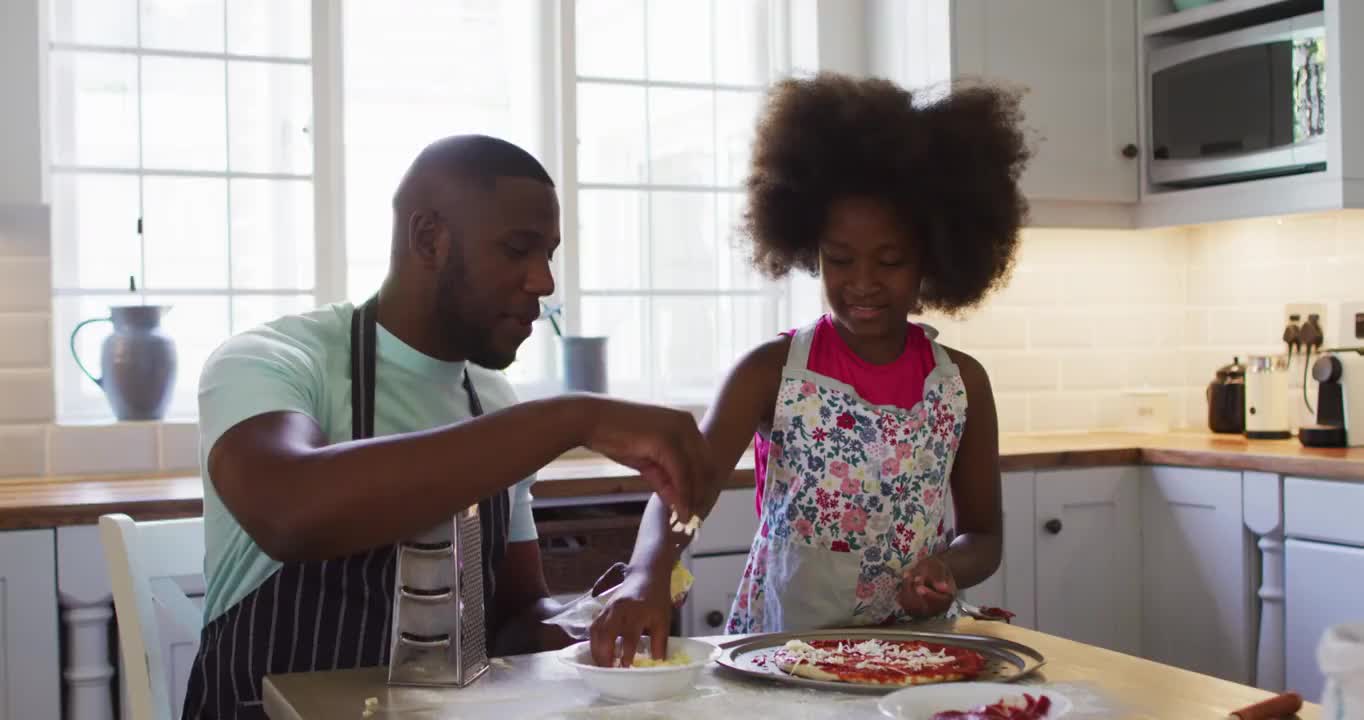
(899, 383)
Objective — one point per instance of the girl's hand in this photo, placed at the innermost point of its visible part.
(640, 606)
(928, 588)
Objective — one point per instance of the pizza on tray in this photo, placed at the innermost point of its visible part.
(878, 662)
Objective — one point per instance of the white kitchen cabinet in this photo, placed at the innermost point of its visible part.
(1325, 585)
(1077, 60)
(713, 592)
(1088, 545)
(30, 677)
(730, 526)
(1323, 571)
(1197, 590)
(1012, 587)
(716, 559)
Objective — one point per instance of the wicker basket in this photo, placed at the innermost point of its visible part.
(578, 545)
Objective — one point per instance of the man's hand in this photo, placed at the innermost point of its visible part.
(641, 605)
(664, 445)
(928, 588)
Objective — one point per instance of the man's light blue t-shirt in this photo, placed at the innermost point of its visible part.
(301, 363)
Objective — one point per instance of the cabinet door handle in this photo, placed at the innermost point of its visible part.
(1129, 151)
(715, 618)
(1053, 526)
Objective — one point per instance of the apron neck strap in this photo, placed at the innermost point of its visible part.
(364, 332)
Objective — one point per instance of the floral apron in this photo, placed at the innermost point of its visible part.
(855, 495)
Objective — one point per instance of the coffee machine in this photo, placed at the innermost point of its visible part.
(1340, 400)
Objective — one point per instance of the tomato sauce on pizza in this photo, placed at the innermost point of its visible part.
(879, 662)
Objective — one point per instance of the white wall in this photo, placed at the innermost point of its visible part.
(23, 66)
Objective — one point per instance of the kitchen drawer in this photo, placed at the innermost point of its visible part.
(730, 526)
(1323, 510)
(712, 594)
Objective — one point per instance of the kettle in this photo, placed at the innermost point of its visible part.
(1227, 399)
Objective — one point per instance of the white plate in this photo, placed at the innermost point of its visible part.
(919, 703)
(648, 683)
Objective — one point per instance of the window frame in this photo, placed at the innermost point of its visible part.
(781, 63)
(326, 171)
(558, 92)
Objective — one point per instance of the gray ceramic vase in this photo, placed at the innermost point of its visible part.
(584, 362)
(137, 362)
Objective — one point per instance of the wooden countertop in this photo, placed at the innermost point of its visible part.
(57, 501)
(1110, 684)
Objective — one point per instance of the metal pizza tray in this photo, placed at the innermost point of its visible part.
(1005, 660)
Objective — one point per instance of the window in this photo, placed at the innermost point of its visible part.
(481, 68)
(665, 97)
(181, 159)
(237, 159)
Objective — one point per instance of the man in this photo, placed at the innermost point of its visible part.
(330, 436)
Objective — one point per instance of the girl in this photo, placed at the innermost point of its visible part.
(876, 448)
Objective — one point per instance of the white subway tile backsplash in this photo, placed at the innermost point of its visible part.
(26, 396)
(1018, 371)
(1194, 403)
(1159, 369)
(1051, 329)
(995, 328)
(1028, 287)
(1247, 241)
(25, 341)
(1263, 282)
(1152, 327)
(1111, 408)
(1012, 411)
(126, 447)
(24, 231)
(1245, 327)
(25, 285)
(1117, 284)
(1350, 229)
(1195, 327)
(179, 445)
(1338, 278)
(1213, 284)
(23, 451)
(1309, 237)
(1093, 371)
(1049, 412)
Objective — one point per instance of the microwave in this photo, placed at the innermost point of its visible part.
(1240, 105)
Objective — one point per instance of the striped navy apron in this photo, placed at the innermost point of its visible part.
(321, 615)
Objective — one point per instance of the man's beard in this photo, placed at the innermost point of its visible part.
(460, 333)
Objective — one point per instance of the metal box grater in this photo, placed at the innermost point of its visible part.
(438, 614)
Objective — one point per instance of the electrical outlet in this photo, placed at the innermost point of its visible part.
(1351, 332)
(1302, 311)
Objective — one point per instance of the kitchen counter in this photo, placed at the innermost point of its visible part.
(1102, 683)
(56, 501)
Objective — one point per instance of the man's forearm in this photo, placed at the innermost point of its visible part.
(339, 499)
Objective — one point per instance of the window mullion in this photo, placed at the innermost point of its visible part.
(567, 88)
(227, 164)
(329, 167)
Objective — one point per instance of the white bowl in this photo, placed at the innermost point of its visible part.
(921, 702)
(647, 683)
